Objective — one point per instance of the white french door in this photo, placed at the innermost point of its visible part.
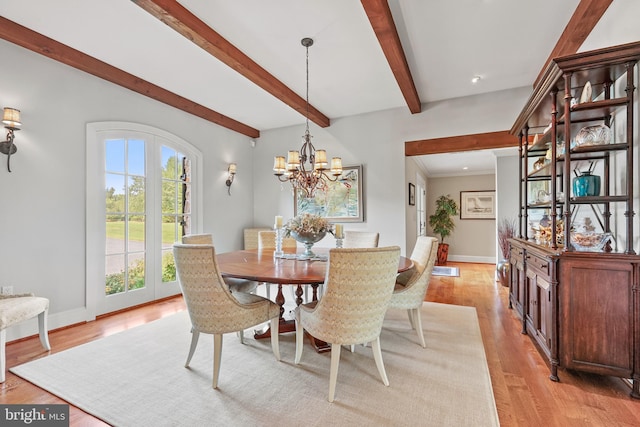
(140, 200)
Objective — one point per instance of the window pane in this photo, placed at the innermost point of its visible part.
(115, 235)
(136, 271)
(114, 193)
(135, 240)
(136, 194)
(169, 197)
(168, 266)
(136, 157)
(169, 231)
(114, 277)
(169, 166)
(114, 155)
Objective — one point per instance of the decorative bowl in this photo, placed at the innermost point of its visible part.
(589, 241)
(593, 135)
(308, 239)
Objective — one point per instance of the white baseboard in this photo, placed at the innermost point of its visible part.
(55, 321)
(477, 259)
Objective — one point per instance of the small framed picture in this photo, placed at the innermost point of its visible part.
(478, 204)
(412, 194)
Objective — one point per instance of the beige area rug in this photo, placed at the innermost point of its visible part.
(136, 378)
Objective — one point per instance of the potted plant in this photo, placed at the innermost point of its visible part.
(442, 224)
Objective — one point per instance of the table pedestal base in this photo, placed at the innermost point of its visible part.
(289, 325)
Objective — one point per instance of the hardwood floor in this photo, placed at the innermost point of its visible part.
(524, 395)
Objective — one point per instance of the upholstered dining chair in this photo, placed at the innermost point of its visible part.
(212, 308)
(15, 309)
(358, 287)
(234, 284)
(267, 240)
(360, 239)
(251, 236)
(411, 286)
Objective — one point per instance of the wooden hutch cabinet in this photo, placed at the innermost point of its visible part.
(580, 301)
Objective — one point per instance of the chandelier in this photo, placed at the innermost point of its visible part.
(307, 169)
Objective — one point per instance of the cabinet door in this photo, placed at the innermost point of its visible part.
(516, 288)
(544, 325)
(531, 309)
(597, 312)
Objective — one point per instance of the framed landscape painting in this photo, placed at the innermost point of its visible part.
(477, 205)
(341, 202)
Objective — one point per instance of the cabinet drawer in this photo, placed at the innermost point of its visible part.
(539, 264)
(517, 254)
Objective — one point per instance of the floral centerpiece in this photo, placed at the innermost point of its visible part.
(307, 229)
(307, 224)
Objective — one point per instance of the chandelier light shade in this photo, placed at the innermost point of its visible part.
(307, 169)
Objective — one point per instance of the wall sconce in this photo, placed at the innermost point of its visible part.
(232, 174)
(11, 120)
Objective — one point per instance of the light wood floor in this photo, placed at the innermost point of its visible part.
(524, 395)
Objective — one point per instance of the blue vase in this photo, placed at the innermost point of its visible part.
(586, 185)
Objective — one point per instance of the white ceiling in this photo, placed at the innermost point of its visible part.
(446, 42)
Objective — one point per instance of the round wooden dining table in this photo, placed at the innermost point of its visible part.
(261, 266)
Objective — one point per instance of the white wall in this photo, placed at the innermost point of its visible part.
(412, 171)
(507, 179)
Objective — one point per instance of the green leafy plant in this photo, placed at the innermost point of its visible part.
(442, 220)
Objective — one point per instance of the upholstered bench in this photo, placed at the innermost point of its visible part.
(16, 308)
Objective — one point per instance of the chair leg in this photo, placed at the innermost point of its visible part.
(241, 336)
(217, 353)
(333, 373)
(43, 330)
(411, 319)
(418, 320)
(268, 290)
(194, 343)
(377, 356)
(299, 338)
(275, 336)
(3, 366)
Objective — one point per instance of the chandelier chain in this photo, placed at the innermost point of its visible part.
(315, 175)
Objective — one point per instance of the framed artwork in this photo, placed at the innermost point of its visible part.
(478, 204)
(341, 202)
(412, 194)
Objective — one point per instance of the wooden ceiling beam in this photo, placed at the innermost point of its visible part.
(582, 22)
(36, 42)
(190, 26)
(381, 20)
(453, 144)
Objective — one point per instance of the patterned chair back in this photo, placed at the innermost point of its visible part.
(360, 239)
(358, 287)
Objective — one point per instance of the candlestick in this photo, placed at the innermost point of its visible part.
(278, 253)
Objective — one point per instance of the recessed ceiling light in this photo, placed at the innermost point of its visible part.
(475, 79)
(464, 168)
